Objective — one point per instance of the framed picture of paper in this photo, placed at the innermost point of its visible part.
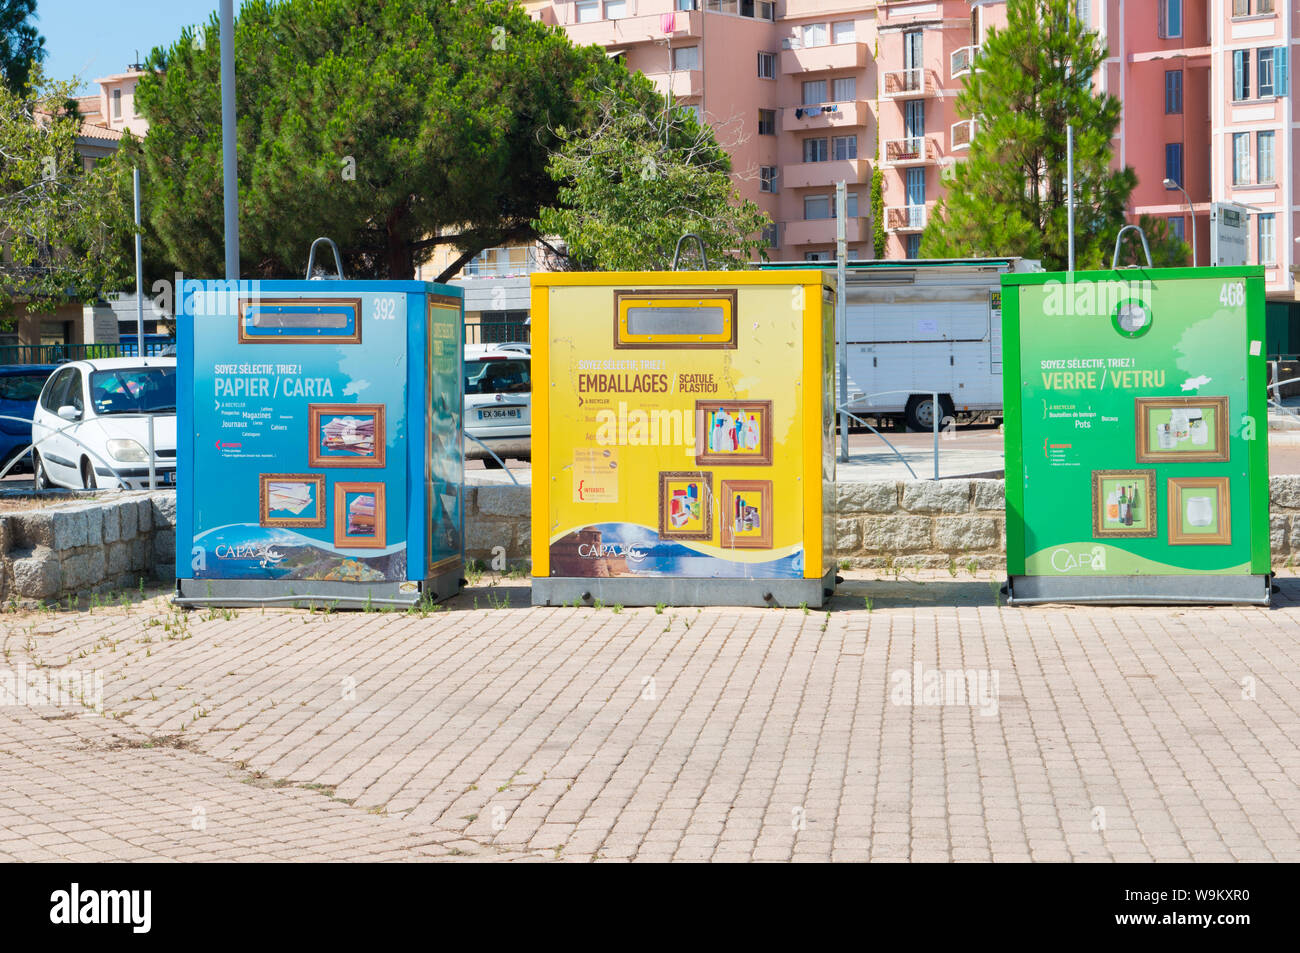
(1182, 429)
(292, 499)
(1200, 511)
(733, 432)
(746, 510)
(359, 516)
(1123, 503)
(346, 435)
(685, 505)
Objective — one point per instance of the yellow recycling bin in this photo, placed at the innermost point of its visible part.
(683, 429)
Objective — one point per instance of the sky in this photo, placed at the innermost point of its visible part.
(92, 38)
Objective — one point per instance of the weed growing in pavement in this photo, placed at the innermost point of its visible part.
(618, 607)
(867, 603)
(659, 608)
(996, 586)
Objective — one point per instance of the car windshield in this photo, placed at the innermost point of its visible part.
(22, 387)
(496, 377)
(133, 390)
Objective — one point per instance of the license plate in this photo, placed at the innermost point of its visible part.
(494, 414)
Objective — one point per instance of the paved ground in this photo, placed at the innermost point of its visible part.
(507, 732)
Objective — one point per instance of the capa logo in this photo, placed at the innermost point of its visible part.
(1093, 560)
(265, 555)
(610, 550)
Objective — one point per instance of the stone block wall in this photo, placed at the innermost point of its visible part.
(922, 524)
(86, 545)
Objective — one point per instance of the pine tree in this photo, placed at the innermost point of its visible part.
(1032, 80)
(21, 45)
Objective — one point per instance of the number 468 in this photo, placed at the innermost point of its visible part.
(1232, 295)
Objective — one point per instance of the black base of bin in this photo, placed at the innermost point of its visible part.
(677, 591)
(1141, 590)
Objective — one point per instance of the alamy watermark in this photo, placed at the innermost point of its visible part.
(967, 688)
(63, 688)
(1085, 298)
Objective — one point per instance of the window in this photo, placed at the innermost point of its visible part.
(1083, 10)
(913, 249)
(916, 195)
(914, 119)
(844, 32)
(687, 4)
(686, 57)
(913, 59)
(1177, 226)
(816, 206)
(814, 150)
(1240, 74)
(117, 104)
(844, 147)
(1266, 172)
(1268, 239)
(587, 11)
(767, 122)
(767, 10)
(497, 377)
(72, 396)
(23, 387)
(1171, 17)
(54, 393)
(816, 256)
(1264, 69)
(772, 234)
(1241, 158)
(815, 34)
(1241, 8)
(766, 65)
(767, 178)
(1174, 162)
(814, 92)
(1173, 92)
(850, 204)
(131, 390)
(844, 90)
(615, 9)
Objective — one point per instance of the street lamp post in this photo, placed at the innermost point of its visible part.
(1171, 184)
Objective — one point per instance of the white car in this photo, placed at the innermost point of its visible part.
(498, 402)
(91, 424)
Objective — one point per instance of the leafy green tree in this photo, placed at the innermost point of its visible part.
(61, 224)
(637, 180)
(1032, 80)
(391, 126)
(21, 46)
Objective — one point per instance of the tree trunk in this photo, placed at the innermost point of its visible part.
(401, 265)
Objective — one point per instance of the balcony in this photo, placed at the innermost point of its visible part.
(817, 58)
(906, 218)
(909, 84)
(961, 134)
(825, 116)
(630, 31)
(821, 174)
(821, 231)
(962, 61)
(682, 83)
(913, 150)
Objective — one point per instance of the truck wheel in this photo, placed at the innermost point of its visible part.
(920, 411)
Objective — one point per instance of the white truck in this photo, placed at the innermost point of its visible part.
(916, 327)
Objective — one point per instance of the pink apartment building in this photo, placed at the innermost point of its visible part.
(807, 92)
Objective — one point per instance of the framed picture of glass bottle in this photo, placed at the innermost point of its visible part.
(1123, 503)
(1182, 429)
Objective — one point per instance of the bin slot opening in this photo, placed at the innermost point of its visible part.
(641, 321)
(666, 319)
(300, 320)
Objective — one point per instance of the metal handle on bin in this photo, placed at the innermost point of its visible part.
(1114, 262)
(704, 261)
(311, 260)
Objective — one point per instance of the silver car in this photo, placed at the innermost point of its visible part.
(498, 402)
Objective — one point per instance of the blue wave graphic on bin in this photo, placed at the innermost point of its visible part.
(249, 551)
(648, 555)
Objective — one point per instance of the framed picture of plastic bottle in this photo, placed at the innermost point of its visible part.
(1123, 503)
(1182, 429)
(733, 432)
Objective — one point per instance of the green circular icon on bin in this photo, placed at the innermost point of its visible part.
(1132, 318)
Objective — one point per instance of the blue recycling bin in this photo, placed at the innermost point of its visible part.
(319, 455)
